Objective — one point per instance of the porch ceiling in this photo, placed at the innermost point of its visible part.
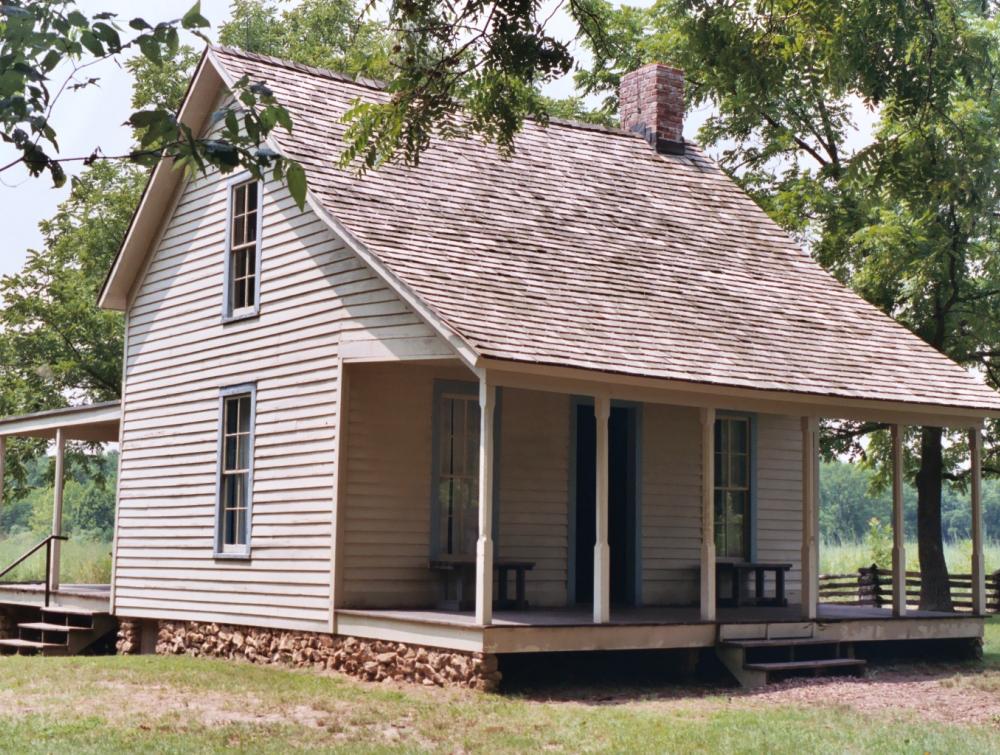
(96, 422)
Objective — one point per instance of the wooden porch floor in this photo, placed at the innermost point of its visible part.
(647, 628)
(94, 597)
(647, 615)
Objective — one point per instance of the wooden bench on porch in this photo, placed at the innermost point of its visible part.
(456, 572)
(739, 571)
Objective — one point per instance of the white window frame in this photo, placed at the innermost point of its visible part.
(230, 314)
(220, 549)
(460, 391)
(748, 489)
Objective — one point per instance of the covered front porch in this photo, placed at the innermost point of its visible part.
(656, 586)
(97, 423)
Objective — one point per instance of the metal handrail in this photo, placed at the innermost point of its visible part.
(47, 542)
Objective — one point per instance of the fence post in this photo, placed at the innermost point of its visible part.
(996, 593)
(868, 578)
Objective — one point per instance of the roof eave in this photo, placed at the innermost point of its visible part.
(149, 216)
(580, 381)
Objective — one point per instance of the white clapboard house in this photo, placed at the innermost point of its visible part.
(566, 401)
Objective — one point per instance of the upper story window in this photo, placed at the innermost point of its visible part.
(732, 487)
(235, 471)
(456, 436)
(243, 253)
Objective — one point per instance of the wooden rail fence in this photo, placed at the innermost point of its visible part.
(872, 586)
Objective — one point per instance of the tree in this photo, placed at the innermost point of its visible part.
(56, 345)
(41, 39)
(323, 33)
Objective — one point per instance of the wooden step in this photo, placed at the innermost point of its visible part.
(818, 665)
(30, 644)
(779, 643)
(46, 627)
(74, 611)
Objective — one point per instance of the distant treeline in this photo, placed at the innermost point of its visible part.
(848, 505)
(88, 500)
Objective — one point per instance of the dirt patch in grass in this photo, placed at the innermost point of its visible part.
(942, 698)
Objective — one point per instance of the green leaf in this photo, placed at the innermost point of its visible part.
(51, 60)
(295, 176)
(193, 18)
(92, 43)
(150, 49)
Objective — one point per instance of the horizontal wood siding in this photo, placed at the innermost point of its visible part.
(534, 489)
(671, 500)
(779, 494)
(387, 506)
(314, 291)
(671, 504)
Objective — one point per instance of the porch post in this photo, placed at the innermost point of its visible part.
(57, 505)
(810, 518)
(898, 530)
(602, 552)
(484, 546)
(708, 514)
(978, 573)
(3, 465)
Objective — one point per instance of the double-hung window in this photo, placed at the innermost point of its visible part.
(457, 473)
(236, 436)
(732, 487)
(242, 298)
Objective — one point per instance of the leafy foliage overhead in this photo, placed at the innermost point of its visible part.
(48, 48)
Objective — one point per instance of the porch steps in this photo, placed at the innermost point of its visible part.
(58, 631)
(814, 666)
(757, 661)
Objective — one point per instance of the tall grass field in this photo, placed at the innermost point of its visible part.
(848, 557)
(83, 561)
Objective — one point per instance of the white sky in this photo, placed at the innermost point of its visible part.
(94, 117)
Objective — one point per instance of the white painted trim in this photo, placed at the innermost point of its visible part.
(339, 490)
(396, 350)
(898, 530)
(708, 597)
(114, 293)
(810, 518)
(602, 550)
(58, 485)
(3, 466)
(484, 546)
(121, 455)
(976, 495)
(247, 313)
(578, 381)
(243, 552)
(45, 424)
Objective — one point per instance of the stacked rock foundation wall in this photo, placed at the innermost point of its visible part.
(370, 660)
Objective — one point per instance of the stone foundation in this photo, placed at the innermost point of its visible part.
(129, 637)
(370, 660)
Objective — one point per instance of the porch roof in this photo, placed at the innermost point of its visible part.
(94, 422)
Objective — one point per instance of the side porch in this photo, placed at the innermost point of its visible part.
(624, 528)
(48, 615)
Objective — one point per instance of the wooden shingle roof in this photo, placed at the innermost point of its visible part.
(590, 250)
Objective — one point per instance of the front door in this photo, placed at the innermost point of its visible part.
(622, 519)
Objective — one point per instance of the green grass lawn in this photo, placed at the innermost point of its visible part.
(179, 704)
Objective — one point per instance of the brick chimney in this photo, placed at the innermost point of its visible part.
(651, 103)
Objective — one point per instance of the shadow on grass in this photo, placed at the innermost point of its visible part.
(615, 678)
